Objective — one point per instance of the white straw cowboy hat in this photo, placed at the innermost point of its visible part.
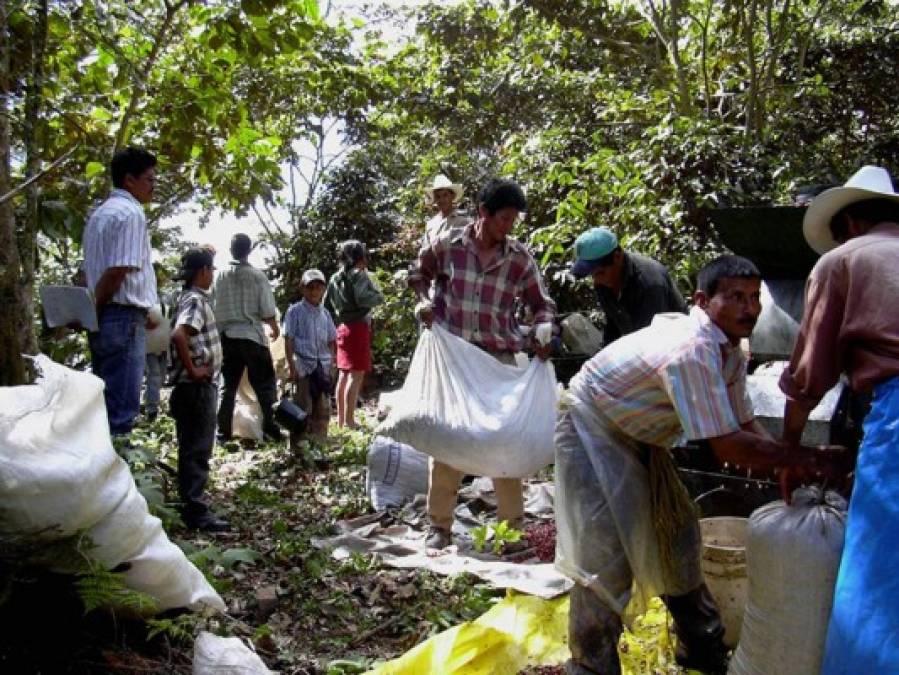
(441, 182)
(869, 182)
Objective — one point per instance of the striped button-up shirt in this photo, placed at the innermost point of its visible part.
(243, 299)
(478, 303)
(312, 331)
(116, 236)
(677, 379)
(195, 310)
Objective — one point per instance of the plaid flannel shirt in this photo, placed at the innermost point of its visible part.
(195, 310)
(478, 304)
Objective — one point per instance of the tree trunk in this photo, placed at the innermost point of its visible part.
(12, 339)
(28, 239)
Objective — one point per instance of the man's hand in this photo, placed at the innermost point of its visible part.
(201, 373)
(828, 463)
(151, 322)
(424, 311)
(543, 352)
(292, 372)
(273, 326)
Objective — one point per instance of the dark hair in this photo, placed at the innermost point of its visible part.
(500, 193)
(351, 251)
(607, 259)
(871, 211)
(130, 161)
(241, 245)
(725, 267)
(193, 262)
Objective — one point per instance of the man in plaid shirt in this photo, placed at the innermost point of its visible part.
(479, 275)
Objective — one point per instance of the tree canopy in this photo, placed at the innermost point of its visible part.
(641, 115)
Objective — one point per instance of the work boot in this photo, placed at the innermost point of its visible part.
(208, 522)
(699, 630)
(438, 538)
(272, 432)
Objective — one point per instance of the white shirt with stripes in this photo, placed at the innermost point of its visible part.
(116, 235)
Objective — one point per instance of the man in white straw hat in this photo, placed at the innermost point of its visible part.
(444, 194)
(851, 324)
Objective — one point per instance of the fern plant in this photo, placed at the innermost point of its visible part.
(100, 588)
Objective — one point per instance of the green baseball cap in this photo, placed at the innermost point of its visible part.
(589, 248)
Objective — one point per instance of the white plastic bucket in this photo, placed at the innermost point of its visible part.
(724, 570)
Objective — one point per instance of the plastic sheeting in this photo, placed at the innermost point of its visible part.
(59, 475)
(605, 532)
(517, 632)
(466, 409)
(863, 636)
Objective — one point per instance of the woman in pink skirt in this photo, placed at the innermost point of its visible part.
(350, 297)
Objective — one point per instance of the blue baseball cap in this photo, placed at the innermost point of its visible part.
(591, 247)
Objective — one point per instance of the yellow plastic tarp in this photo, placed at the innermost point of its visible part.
(519, 631)
(522, 631)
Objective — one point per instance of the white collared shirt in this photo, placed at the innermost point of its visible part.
(116, 236)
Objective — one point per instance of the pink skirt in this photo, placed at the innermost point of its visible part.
(354, 346)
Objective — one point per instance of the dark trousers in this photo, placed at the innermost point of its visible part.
(192, 405)
(239, 355)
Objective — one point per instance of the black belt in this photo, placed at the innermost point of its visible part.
(142, 310)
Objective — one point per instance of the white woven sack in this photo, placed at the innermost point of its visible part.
(158, 336)
(466, 409)
(214, 655)
(580, 335)
(793, 555)
(59, 475)
(396, 472)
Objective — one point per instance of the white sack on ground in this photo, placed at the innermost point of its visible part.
(214, 655)
(466, 409)
(396, 472)
(793, 555)
(247, 419)
(58, 470)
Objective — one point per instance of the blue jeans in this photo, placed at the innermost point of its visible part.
(117, 357)
(156, 367)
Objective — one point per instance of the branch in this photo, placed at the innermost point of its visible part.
(160, 40)
(38, 176)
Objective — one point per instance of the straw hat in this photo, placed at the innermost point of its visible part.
(441, 182)
(869, 182)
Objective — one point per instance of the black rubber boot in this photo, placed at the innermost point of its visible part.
(699, 630)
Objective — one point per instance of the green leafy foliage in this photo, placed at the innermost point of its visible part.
(499, 535)
(100, 588)
(181, 628)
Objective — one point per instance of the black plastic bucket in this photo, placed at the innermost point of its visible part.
(290, 416)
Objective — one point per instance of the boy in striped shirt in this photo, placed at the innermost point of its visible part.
(196, 362)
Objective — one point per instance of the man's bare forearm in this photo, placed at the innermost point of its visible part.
(795, 417)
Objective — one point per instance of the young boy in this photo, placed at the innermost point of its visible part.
(196, 361)
(310, 341)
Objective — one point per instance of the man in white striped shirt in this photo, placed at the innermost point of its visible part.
(120, 275)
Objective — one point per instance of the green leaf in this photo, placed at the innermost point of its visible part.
(232, 556)
(94, 169)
